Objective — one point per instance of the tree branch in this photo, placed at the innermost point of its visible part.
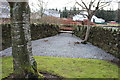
(80, 5)
(91, 3)
(84, 4)
(97, 7)
(84, 14)
(105, 4)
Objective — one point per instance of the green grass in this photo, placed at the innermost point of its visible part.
(69, 67)
(7, 66)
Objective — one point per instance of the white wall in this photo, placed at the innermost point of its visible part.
(82, 18)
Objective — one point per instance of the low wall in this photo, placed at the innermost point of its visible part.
(106, 38)
(38, 31)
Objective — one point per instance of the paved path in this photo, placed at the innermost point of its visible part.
(63, 46)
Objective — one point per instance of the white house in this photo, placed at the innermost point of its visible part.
(50, 12)
(97, 20)
(82, 16)
(79, 17)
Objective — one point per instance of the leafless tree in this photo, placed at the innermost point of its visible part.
(42, 5)
(37, 10)
(91, 6)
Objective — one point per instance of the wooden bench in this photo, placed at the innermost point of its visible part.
(66, 30)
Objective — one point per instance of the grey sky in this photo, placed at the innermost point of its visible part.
(60, 4)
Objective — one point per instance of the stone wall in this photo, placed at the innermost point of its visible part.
(104, 37)
(38, 31)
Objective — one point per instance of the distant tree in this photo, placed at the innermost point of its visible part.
(118, 12)
(24, 64)
(74, 8)
(69, 13)
(42, 5)
(73, 11)
(108, 15)
(56, 9)
(118, 15)
(100, 13)
(59, 11)
(64, 13)
(91, 6)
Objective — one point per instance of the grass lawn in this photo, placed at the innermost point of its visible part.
(68, 67)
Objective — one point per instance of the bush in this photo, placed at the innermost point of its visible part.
(38, 31)
(106, 38)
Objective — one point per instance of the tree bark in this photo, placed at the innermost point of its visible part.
(24, 64)
(87, 32)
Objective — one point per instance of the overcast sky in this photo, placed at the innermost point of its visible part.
(60, 4)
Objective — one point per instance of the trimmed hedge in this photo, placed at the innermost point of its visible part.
(106, 38)
(38, 31)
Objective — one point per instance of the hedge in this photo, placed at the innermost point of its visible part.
(38, 31)
(107, 38)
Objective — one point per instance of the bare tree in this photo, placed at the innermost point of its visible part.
(37, 10)
(91, 7)
(41, 7)
(24, 64)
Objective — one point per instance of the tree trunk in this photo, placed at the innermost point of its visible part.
(23, 62)
(87, 32)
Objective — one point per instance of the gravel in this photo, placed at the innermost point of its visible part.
(63, 45)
